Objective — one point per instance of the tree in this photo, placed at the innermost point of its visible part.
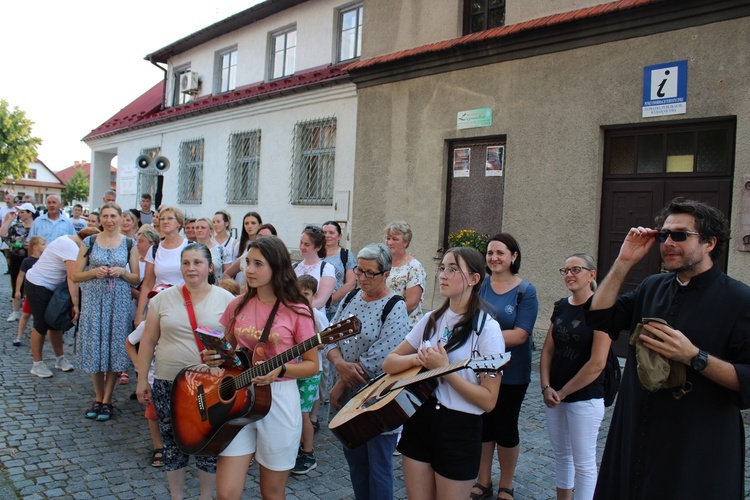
(77, 187)
(17, 146)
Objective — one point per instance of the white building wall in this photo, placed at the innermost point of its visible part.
(276, 119)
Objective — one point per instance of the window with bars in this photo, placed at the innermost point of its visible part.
(190, 189)
(283, 53)
(313, 162)
(480, 15)
(350, 33)
(146, 182)
(244, 166)
(227, 70)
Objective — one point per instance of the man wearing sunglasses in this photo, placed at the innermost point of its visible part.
(666, 444)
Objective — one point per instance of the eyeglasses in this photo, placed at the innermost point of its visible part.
(676, 236)
(449, 272)
(166, 219)
(368, 274)
(575, 270)
(314, 229)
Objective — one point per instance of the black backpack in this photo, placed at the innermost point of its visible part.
(612, 378)
(386, 309)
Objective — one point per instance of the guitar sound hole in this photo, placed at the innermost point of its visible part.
(226, 389)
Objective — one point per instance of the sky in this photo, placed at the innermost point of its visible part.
(72, 65)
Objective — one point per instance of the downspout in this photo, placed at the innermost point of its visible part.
(164, 87)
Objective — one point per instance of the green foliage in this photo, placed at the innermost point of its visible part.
(77, 187)
(469, 238)
(17, 146)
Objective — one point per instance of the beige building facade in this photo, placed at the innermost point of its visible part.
(581, 162)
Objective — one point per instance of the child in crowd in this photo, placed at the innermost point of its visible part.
(308, 387)
(36, 247)
(230, 286)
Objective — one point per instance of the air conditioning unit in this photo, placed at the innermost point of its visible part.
(189, 83)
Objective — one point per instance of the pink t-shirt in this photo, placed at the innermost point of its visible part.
(290, 326)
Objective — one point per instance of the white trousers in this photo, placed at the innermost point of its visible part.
(573, 429)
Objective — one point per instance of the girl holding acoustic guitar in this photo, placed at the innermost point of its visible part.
(273, 308)
(439, 460)
(169, 323)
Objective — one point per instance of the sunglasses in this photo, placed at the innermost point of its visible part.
(314, 229)
(677, 236)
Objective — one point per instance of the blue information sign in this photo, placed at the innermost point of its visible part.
(665, 89)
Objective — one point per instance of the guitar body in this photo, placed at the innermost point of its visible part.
(207, 411)
(377, 408)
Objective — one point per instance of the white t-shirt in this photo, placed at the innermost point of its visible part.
(229, 247)
(177, 347)
(321, 323)
(314, 270)
(50, 271)
(489, 341)
(167, 264)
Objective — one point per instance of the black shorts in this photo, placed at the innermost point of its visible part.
(39, 298)
(449, 440)
(501, 424)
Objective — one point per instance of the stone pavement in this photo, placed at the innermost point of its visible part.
(49, 450)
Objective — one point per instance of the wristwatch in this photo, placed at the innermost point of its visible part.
(700, 361)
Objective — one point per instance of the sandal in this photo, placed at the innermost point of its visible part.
(486, 492)
(105, 412)
(93, 412)
(157, 458)
(508, 491)
(124, 378)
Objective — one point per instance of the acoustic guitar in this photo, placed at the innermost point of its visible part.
(388, 401)
(211, 405)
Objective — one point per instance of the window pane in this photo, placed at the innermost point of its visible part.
(497, 3)
(712, 154)
(497, 18)
(477, 23)
(347, 45)
(680, 152)
(291, 39)
(477, 6)
(349, 20)
(622, 155)
(291, 55)
(650, 154)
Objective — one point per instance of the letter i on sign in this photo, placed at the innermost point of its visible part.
(664, 83)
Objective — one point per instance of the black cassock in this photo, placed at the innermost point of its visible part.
(659, 447)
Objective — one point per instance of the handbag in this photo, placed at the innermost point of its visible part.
(59, 313)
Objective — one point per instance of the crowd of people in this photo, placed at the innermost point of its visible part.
(142, 281)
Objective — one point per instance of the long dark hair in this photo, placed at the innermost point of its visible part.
(475, 263)
(283, 279)
(244, 238)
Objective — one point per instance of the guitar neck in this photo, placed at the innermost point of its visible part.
(436, 372)
(245, 378)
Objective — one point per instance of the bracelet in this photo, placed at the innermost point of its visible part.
(282, 372)
(545, 388)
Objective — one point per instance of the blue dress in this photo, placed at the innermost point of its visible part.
(105, 320)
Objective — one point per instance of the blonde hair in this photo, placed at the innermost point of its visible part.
(401, 228)
(230, 286)
(178, 214)
(35, 241)
(207, 221)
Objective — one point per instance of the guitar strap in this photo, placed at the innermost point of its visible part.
(191, 315)
(259, 351)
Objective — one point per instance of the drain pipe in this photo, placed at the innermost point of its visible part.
(164, 87)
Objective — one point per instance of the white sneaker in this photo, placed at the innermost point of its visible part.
(41, 370)
(64, 365)
(14, 316)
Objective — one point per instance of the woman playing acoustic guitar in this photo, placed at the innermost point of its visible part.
(273, 440)
(440, 462)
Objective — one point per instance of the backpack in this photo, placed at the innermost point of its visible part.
(612, 378)
(344, 254)
(386, 309)
(59, 312)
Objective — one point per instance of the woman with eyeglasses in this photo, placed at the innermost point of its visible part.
(163, 261)
(571, 373)
(342, 261)
(360, 360)
(442, 442)
(407, 276)
(514, 305)
(312, 248)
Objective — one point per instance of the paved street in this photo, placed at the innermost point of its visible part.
(49, 450)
